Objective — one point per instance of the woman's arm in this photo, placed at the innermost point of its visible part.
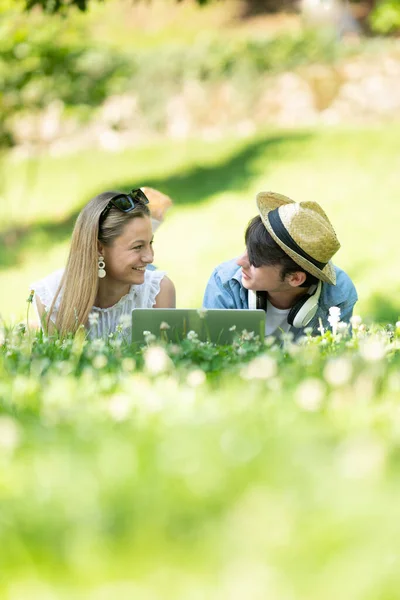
(166, 296)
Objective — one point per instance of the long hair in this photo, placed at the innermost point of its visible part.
(79, 283)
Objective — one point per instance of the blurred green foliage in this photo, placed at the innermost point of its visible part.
(385, 17)
(269, 476)
(46, 59)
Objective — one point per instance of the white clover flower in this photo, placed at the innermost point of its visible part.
(119, 407)
(93, 319)
(128, 364)
(269, 340)
(362, 457)
(342, 327)
(116, 343)
(338, 371)
(125, 321)
(261, 367)
(10, 433)
(247, 335)
(196, 378)
(164, 326)
(241, 351)
(100, 361)
(355, 321)
(334, 318)
(149, 338)
(98, 345)
(310, 394)
(156, 360)
(233, 328)
(192, 335)
(202, 312)
(372, 349)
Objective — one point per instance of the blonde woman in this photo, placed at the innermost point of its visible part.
(106, 275)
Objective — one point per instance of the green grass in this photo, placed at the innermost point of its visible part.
(351, 172)
(269, 473)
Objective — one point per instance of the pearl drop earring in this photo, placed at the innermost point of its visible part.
(101, 267)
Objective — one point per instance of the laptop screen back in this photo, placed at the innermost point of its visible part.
(219, 326)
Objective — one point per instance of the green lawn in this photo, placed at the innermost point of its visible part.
(351, 172)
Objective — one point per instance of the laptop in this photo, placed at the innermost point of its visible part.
(218, 326)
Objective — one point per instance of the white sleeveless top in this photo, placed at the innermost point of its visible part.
(103, 321)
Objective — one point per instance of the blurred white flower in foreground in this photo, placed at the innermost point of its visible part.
(361, 457)
(156, 360)
(372, 349)
(93, 319)
(119, 407)
(9, 433)
(310, 394)
(125, 321)
(334, 318)
(196, 378)
(355, 321)
(261, 367)
(338, 371)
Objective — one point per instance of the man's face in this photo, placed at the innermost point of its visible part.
(265, 278)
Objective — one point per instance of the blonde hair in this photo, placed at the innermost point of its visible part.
(79, 283)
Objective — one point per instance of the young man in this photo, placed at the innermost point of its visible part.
(286, 269)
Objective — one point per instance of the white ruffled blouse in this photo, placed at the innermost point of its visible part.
(103, 321)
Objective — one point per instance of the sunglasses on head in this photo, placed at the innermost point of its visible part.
(124, 202)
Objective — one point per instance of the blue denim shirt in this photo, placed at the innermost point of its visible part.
(225, 290)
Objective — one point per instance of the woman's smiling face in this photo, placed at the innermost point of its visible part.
(130, 253)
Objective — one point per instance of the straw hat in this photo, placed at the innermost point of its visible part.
(303, 231)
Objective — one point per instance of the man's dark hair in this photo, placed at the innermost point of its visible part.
(263, 250)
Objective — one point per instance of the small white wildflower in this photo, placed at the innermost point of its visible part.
(338, 371)
(156, 360)
(125, 321)
(119, 328)
(310, 393)
(164, 326)
(308, 330)
(362, 457)
(149, 338)
(119, 407)
(355, 321)
(261, 367)
(269, 340)
(202, 312)
(93, 319)
(116, 343)
(247, 335)
(99, 361)
(233, 328)
(192, 336)
(241, 351)
(10, 433)
(98, 345)
(196, 378)
(128, 364)
(342, 327)
(372, 349)
(334, 318)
